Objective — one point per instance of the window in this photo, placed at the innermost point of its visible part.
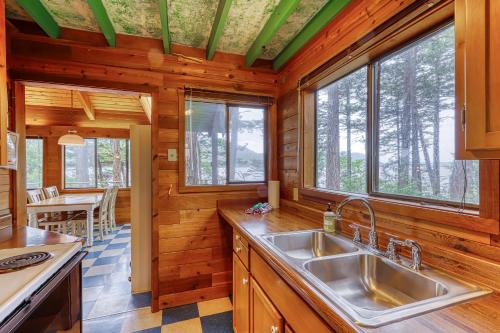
(341, 114)
(410, 151)
(224, 143)
(34, 163)
(100, 163)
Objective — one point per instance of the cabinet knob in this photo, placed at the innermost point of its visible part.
(238, 249)
(244, 281)
(275, 329)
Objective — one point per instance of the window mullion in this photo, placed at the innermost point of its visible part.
(95, 162)
(228, 156)
(370, 130)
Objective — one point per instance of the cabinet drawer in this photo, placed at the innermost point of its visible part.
(240, 247)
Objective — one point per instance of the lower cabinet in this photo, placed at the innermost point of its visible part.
(241, 296)
(265, 303)
(263, 315)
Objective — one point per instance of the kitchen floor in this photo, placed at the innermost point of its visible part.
(109, 306)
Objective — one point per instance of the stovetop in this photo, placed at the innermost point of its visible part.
(18, 285)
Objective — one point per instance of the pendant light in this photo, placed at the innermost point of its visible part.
(71, 139)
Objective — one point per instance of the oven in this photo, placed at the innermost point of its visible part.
(56, 306)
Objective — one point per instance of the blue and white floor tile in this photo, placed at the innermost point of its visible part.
(109, 306)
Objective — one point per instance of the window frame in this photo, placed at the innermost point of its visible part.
(372, 121)
(128, 181)
(251, 102)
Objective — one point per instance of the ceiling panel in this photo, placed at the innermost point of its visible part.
(293, 25)
(190, 21)
(134, 17)
(244, 23)
(75, 14)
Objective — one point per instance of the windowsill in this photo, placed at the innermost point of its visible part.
(222, 188)
(465, 219)
(89, 190)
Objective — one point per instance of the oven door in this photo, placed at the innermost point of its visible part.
(55, 307)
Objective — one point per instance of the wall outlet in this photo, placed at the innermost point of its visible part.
(172, 155)
(296, 194)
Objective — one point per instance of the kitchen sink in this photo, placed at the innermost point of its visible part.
(373, 283)
(309, 244)
(371, 289)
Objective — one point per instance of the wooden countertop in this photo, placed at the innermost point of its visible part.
(479, 315)
(26, 236)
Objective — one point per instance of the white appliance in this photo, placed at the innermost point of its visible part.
(18, 285)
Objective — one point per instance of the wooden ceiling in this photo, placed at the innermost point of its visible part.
(266, 29)
(49, 106)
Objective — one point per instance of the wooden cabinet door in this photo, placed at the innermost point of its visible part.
(241, 293)
(264, 318)
(477, 33)
(288, 329)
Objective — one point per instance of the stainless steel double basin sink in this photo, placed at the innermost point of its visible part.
(371, 289)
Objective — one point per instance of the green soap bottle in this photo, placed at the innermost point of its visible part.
(329, 219)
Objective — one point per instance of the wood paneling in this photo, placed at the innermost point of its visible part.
(4, 97)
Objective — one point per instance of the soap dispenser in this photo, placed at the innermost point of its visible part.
(329, 219)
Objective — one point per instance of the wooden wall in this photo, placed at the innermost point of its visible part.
(191, 255)
(472, 254)
(53, 164)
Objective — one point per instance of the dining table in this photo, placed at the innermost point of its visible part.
(87, 202)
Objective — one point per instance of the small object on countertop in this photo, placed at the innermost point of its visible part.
(259, 208)
(329, 219)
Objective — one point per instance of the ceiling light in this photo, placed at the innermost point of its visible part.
(71, 139)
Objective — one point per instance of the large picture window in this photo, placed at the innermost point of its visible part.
(34, 163)
(224, 143)
(100, 163)
(405, 148)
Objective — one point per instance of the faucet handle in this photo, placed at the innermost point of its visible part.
(416, 254)
(391, 251)
(357, 233)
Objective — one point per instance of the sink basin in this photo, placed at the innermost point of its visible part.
(309, 244)
(371, 289)
(373, 283)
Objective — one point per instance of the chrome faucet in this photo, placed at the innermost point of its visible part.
(416, 252)
(372, 236)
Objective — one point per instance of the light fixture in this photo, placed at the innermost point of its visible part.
(71, 139)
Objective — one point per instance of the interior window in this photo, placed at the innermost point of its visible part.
(100, 163)
(34, 163)
(224, 143)
(416, 126)
(341, 114)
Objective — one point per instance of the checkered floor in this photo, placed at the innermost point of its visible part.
(109, 306)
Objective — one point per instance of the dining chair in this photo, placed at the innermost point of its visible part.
(112, 206)
(51, 192)
(51, 222)
(103, 214)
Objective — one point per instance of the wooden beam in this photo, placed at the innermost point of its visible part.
(86, 103)
(165, 32)
(279, 16)
(41, 16)
(218, 27)
(146, 105)
(103, 20)
(315, 25)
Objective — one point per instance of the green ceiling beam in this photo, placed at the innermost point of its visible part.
(218, 27)
(315, 25)
(102, 18)
(41, 16)
(279, 16)
(164, 26)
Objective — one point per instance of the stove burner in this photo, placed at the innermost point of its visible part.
(22, 261)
